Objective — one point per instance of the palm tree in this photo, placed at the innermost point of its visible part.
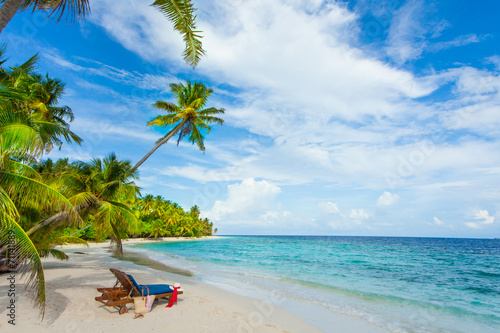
(180, 12)
(158, 228)
(188, 117)
(56, 8)
(22, 140)
(108, 183)
(28, 97)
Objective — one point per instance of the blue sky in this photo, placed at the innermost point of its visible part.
(342, 117)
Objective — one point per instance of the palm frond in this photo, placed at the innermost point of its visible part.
(27, 191)
(44, 253)
(6, 205)
(62, 240)
(27, 67)
(127, 218)
(16, 135)
(25, 257)
(162, 121)
(181, 14)
(25, 170)
(197, 138)
(211, 111)
(49, 130)
(83, 200)
(167, 106)
(58, 9)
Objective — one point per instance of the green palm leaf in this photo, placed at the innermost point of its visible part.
(27, 191)
(58, 9)
(25, 254)
(181, 14)
(44, 253)
(62, 240)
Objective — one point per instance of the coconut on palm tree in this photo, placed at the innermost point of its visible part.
(188, 117)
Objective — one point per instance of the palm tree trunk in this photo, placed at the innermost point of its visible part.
(53, 218)
(172, 133)
(7, 12)
(80, 230)
(59, 216)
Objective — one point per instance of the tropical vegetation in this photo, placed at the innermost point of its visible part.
(45, 203)
(30, 124)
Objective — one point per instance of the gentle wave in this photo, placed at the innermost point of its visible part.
(402, 284)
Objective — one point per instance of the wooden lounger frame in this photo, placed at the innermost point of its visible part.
(122, 292)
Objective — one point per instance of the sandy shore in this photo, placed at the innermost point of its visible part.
(71, 288)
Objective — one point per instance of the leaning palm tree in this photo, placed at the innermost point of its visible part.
(188, 117)
(180, 12)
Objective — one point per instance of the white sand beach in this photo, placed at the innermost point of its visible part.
(71, 289)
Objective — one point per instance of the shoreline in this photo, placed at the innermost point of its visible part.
(315, 315)
(70, 305)
(71, 288)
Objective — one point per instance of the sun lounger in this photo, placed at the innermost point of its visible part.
(126, 287)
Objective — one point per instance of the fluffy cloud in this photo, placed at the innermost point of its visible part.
(358, 215)
(307, 106)
(250, 202)
(483, 218)
(332, 217)
(387, 199)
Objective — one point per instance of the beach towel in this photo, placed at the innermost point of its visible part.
(173, 298)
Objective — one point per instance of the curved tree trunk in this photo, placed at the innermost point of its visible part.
(54, 218)
(165, 140)
(57, 217)
(7, 12)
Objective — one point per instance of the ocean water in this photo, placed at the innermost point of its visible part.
(401, 284)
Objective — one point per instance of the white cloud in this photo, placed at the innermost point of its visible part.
(328, 208)
(250, 202)
(156, 81)
(308, 107)
(484, 215)
(437, 221)
(459, 41)
(105, 130)
(139, 28)
(483, 218)
(358, 215)
(332, 217)
(387, 199)
(410, 28)
(495, 60)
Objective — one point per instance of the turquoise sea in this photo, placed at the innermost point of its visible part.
(401, 284)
